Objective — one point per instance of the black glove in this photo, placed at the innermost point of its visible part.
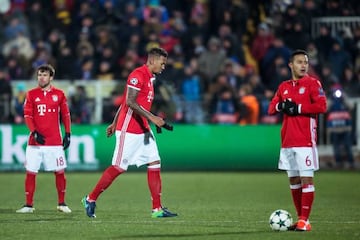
(38, 137)
(290, 108)
(166, 126)
(66, 141)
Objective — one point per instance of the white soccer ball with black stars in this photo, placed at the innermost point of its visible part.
(280, 220)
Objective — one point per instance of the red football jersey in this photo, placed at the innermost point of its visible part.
(300, 130)
(43, 110)
(142, 80)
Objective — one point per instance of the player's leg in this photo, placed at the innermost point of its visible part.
(109, 175)
(287, 161)
(60, 182)
(307, 199)
(30, 186)
(307, 162)
(295, 188)
(106, 179)
(154, 183)
(154, 178)
(32, 166)
(55, 161)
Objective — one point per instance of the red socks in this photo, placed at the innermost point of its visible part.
(105, 181)
(307, 198)
(303, 197)
(30, 184)
(60, 182)
(296, 196)
(154, 182)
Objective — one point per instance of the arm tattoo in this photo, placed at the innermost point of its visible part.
(131, 102)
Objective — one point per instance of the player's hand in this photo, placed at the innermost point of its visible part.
(66, 141)
(110, 130)
(38, 137)
(290, 108)
(166, 126)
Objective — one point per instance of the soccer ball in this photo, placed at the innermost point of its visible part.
(280, 220)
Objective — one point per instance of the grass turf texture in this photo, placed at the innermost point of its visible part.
(210, 206)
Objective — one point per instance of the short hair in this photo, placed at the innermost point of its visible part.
(157, 51)
(298, 52)
(46, 68)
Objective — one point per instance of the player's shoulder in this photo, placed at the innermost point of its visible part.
(139, 73)
(312, 80)
(57, 90)
(33, 91)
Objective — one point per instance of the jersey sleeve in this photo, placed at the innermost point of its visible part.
(272, 109)
(317, 102)
(65, 114)
(28, 112)
(135, 80)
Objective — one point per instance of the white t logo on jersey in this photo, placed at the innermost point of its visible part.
(150, 96)
(41, 109)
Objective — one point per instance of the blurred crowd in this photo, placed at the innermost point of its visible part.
(226, 58)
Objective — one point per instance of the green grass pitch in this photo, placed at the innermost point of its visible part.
(211, 205)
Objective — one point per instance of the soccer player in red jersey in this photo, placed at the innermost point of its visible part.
(42, 110)
(301, 99)
(135, 142)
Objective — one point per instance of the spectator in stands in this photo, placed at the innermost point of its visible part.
(210, 60)
(224, 107)
(324, 42)
(87, 70)
(84, 48)
(22, 45)
(264, 38)
(37, 19)
(277, 53)
(80, 111)
(19, 100)
(233, 50)
(328, 78)
(110, 16)
(354, 89)
(56, 40)
(5, 97)
(191, 92)
(314, 59)
(310, 10)
(338, 58)
(131, 35)
(262, 94)
(297, 37)
(62, 16)
(16, 65)
(105, 72)
(339, 125)
(66, 64)
(348, 79)
(15, 28)
(231, 69)
(104, 39)
(250, 102)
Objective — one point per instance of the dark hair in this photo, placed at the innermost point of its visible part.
(298, 52)
(157, 51)
(46, 68)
